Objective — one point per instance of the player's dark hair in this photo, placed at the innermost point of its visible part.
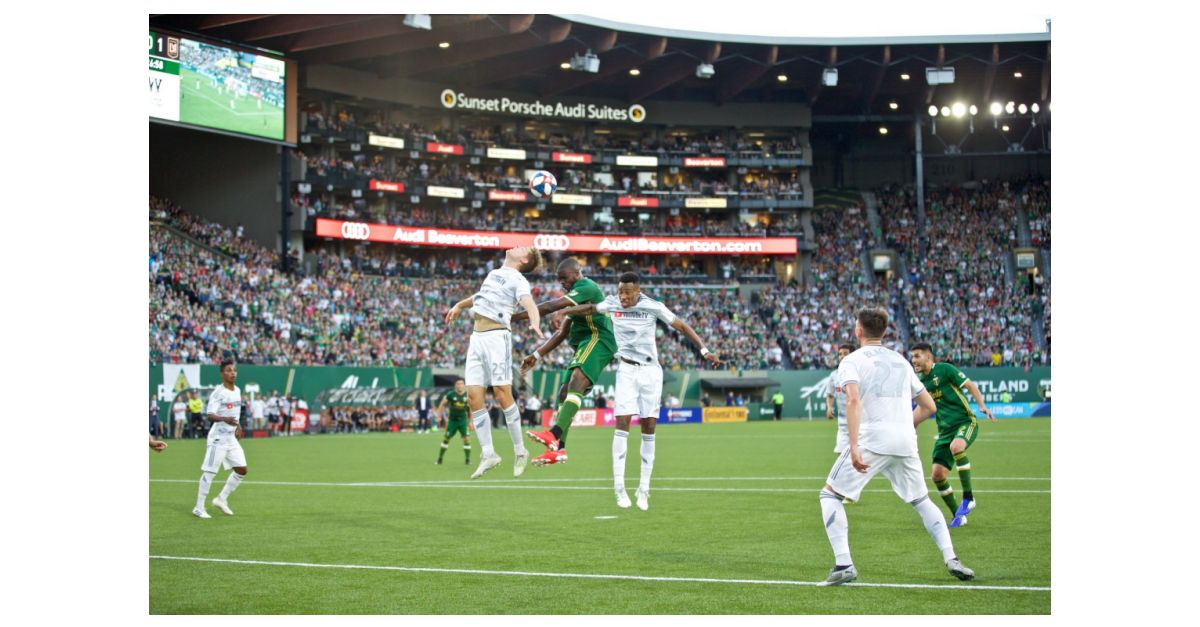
(922, 346)
(226, 362)
(460, 379)
(874, 321)
(630, 277)
(570, 263)
(848, 346)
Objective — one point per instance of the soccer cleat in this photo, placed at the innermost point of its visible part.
(957, 569)
(486, 464)
(839, 575)
(959, 521)
(623, 499)
(550, 457)
(965, 508)
(222, 505)
(545, 438)
(199, 513)
(437, 463)
(643, 500)
(519, 463)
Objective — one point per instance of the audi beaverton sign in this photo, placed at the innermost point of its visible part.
(340, 229)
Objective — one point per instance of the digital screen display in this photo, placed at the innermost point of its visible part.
(212, 86)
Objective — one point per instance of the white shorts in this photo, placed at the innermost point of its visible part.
(843, 440)
(489, 358)
(904, 472)
(227, 454)
(639, 389)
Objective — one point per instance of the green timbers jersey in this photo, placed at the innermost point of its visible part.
(457, 404)
(944, 383)
(592, 328)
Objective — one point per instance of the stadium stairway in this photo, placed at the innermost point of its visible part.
(872, 204)
(1023, 236)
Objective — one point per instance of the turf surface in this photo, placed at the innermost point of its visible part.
(202, 104)
(730, 502)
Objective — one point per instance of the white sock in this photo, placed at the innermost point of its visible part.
(512, 417)
(931, 515)
(483, 430)
(836, 527)
(206, 479)
(620, 444)
(231, 484)
(647, 462)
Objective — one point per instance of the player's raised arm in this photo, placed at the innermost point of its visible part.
(679, 325)
(978, 396)
(538, 353)
(853, 421)
(546, 307)
(458, 308)
(535, 316)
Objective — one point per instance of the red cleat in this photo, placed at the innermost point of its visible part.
(550, 457)
(545, 438)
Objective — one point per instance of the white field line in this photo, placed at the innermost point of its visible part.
(516, 573)
(496, 485)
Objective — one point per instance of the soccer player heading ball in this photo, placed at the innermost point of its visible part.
(489, 355)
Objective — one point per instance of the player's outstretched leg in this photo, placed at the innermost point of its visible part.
(964, 474)
(206, 479)
(619, 447)
(483, 430)
(445, 445)
(936, 526)
(643, 492)
(231, 484)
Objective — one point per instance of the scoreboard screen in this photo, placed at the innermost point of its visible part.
(211, 86)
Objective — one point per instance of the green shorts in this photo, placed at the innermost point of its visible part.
(941, 449)
(592, 359)
(457, 424)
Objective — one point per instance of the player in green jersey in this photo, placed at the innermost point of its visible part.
(957, 427)
(591, 336)
(456, 422)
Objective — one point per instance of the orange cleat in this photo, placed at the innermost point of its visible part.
(545, 438)
(550, 457)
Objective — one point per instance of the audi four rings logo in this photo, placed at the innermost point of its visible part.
(355, 230)
(552, 242)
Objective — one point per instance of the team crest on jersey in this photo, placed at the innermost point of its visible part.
(935, 379)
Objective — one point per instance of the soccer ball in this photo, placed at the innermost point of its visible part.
(542, 184)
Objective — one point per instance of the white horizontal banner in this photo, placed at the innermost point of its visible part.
(635, 160)
(446, 192)
(385, 141)
(706, 203)
(505, 153)
(571, 199)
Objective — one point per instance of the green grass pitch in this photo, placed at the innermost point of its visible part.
(734, 504)
(204, 106)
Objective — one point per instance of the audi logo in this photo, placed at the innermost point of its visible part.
(356, 230)
(552, 242)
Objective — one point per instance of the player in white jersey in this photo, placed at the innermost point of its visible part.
(880, 386)
(179, 408)
(224, 411)
(835, 396)
(489, 355)
(639, 374)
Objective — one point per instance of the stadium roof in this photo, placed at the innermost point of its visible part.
(524, 53)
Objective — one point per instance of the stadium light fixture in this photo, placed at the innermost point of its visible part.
(974, 110)
(636, 72)
(945, 111)
(1010, 107)
(1004, 128)
(418, 20)
(705, 71)
(883, 130)
(939, 75)
(444, 45)
(781, 78)
(1034, 107)
(829, 77)
(1018, 74)
(933, 111)
(1022, 109)
(564, 65)
(904, 76)
(958, 109)
(997, 108)
(587, 62)
(893, 105)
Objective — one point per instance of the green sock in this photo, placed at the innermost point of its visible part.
(442, 453)
(566, 413)
(964, 473)
(467, 450)
(947, 494)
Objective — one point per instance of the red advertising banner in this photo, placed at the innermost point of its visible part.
(704, 162)
(445, 149)
(385, 186)
(570, 157)
(634, 201)
(496, 194)
(416, 236)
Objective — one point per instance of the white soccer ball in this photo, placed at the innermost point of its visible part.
(542, 184)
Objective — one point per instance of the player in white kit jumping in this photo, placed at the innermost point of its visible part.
(489, 355)
(224, 411)
(880, 386)
(639, 374)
